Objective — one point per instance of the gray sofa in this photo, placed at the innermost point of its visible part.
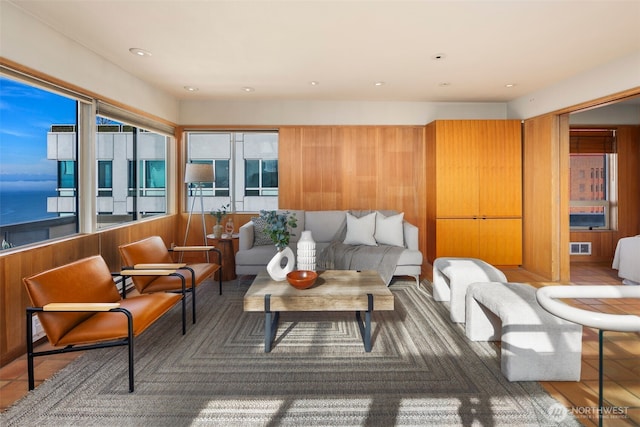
(325, 226)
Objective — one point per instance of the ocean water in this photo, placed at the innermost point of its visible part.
(24, 206)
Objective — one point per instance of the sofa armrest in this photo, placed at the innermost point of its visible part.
(245, 236)
(410, 236)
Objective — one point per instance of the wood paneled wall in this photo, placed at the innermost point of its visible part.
(354, 167)
(14, 266)
(546, 196)
(628, 141)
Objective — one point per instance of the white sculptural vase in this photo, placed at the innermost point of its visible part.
(275, 269)
(306, 252)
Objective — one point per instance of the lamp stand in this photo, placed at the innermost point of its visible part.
(204, 228)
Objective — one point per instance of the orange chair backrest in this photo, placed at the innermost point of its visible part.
(145, 251)
(86, 280)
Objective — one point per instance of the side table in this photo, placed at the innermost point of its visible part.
(225, 244)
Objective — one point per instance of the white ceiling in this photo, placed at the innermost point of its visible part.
(279, 47)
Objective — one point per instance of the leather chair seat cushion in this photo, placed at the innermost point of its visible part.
(173, 283)
(202, 271)
(107, 326)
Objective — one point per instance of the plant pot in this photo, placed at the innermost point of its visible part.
(217, 231)
(275, 269)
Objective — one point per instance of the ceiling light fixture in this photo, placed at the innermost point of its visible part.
(248, 89)
(510, 85)
(191, 89)
(379, 83)
(314, 83)
(139, 52)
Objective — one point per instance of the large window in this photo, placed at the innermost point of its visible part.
(37, 168)
(45, 130)
(131, 172)
(593, 176)
(245, 166)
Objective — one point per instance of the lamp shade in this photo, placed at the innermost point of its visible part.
(198, 172)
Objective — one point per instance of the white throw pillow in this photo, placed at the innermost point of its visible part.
(389, 229)
(360, 230)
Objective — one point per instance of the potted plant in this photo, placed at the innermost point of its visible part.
(278, 227)
(219, 214)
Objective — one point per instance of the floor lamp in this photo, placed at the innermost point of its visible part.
(197, 174)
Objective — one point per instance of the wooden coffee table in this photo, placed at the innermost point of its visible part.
(334, 290)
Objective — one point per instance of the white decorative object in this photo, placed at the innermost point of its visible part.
(228, 228)
(275, 268)
(306, 252)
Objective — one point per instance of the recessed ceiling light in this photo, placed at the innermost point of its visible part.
(139, 52)
(191, 89)
(438, 56)
(248, 89)
(379, 83)
(510, 85)
(314, 83)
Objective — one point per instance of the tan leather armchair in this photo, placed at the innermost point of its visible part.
(80, 308)
(152, 253)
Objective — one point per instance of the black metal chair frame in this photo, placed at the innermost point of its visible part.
(31, 354)
(183, 292)
(213, 248)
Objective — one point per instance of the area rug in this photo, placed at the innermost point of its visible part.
(421, 371)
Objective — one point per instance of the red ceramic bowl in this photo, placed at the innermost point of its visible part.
(302, 279)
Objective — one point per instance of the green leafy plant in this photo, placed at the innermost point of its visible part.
(279, 226)
(220, 213)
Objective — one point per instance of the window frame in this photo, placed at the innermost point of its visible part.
(596, 142)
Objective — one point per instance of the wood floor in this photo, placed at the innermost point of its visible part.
(621, 363)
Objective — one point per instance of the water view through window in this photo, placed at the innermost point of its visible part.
(28, 176)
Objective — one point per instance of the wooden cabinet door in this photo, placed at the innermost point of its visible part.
(500, 169)
(496, 241)
(500, 241)
(457, 238)
(456, 169)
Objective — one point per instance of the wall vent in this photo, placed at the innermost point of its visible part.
(580, 248)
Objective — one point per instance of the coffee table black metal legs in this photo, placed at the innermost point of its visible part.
(271, 323)
(365, 329)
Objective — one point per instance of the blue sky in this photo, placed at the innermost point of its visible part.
(26, 115)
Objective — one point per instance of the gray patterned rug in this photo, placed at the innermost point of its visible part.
(421, 371)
